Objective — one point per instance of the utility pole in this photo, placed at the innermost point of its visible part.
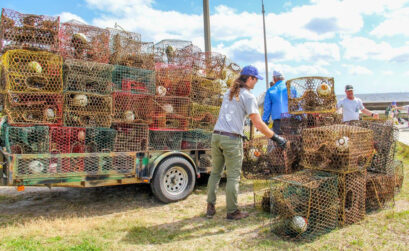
(206, 21)
(265, 43)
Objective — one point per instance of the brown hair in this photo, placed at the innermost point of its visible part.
(240, 82)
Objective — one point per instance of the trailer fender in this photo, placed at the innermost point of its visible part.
(162, 157)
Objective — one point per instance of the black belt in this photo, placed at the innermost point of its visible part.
(227, 134)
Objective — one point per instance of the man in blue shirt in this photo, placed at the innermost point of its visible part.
(276, 102)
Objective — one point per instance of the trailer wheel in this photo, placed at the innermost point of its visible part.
(174, 180)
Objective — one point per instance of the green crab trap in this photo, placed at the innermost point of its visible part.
(85, 42)
(203, 116)
(131, 137)
(26, 140)
(32, 71)
(85, 76)
(125, 47)
(207, 92)
(173, 80)
(170, 113)
(209, 65)
(28, 31)
(132, 108)
(100, 140)
(134, 80)
(340, 148)
(67, 139)
(196, 140)
(311, 95)
(34, 108)
(165, 140)
(304, 205)
(380, 191)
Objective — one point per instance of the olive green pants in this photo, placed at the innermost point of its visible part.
(225, 151)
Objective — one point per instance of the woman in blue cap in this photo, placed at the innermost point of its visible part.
(227, 144)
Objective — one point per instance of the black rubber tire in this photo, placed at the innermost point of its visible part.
(158, 184)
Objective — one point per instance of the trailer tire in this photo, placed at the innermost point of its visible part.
(174, 180)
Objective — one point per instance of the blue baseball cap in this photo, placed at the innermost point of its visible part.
(393, 102)
(250, 70)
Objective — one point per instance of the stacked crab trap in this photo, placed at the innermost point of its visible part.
(83, 100)
(349, 168)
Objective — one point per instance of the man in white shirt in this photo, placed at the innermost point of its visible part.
(351, 106)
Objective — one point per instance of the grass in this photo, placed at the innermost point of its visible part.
(130, 218)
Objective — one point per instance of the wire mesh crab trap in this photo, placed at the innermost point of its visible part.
(131, 137)
(87, 119)
(209, 65)
(138, 81)
(173, 80)
(196, 140)
(261, 195)
(304, 205)
(67, 139)
(311, 95)
(173, 51)
(32, 71)
(295, 123)
(124, 46)
(351, 192)
(165, 140)
(132, 108)
(207, 92)
(170, 113)
(28, 31)
(85, 42)
(385, 138)
(85, 76)
(230, 72)
(380, 191)
(399, 175)
(87, 102)
(100, 140)
(203, 116)
(34, 108)
(340, 148)
(26, 140)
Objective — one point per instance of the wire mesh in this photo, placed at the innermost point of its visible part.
(131, 137)
(207, 92)
(311, 95)
(173, 80)
(196, 140)
(100, 140)
(380, 191)
(34, 108)
(340, 148)
(26, 140)
(173, 51)
(209, 65)
(32, 71)
(85, 42)
(87, 119)
(134, 80)
(87, 102)
(231, 72)
(295, 123)
(28, 31)
(261, 195)
(132, 108)
(125, 46)
(170, 113)
(67, 139)
(304, 205)
(203, 116)
(399, 175)
(165, 140)
(85, 76)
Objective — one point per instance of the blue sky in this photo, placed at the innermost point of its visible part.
(359, 42)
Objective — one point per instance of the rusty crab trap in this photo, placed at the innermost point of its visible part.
(85, 76)
(26, 140)
(380, 191)
(261, 195)
(165, 140)
(34, 108)
(125, 46)
(100, 140)
(134, 80)
(132, 108)
(385, 138)
(32, 71)
(85, 42)
(203, 116)
(67, 139)
(207, 92)
(311, 95)
(174, 51)
(399, 175)
(173, 80)
(196, 140)
(230, 72)
(131, 137)
(170, 113)
(339, 148)
(87, 119)
(209, 65)
(295, 123)
(28, 31)
(304, 205)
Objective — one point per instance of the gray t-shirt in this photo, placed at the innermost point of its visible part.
(350, 108)
(233, 113)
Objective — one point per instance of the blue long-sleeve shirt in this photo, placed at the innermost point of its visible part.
(275, 101)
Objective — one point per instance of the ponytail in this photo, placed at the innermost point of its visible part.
(240, 82)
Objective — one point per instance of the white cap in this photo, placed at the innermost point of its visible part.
(277, 74)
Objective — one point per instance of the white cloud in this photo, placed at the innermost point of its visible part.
(394, 24)
(67, 16)
(387, 73)
(406, 73)
(357, 69)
